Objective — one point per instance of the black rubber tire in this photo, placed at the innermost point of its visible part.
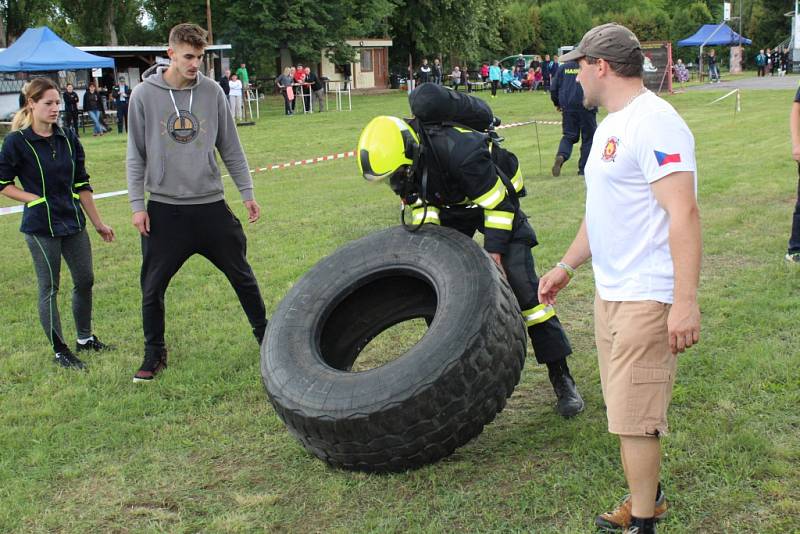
(415, 409)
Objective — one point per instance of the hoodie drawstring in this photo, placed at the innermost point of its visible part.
(191, 97)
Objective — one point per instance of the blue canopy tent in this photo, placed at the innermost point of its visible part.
(39, 49)
(715, 35)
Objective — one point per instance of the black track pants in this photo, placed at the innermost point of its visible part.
(176, 234)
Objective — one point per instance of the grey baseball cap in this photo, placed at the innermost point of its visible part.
(611, 42)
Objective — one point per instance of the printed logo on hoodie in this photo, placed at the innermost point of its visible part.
(183, 128)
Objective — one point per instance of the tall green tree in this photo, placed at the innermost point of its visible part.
(466, 29)
(16, 16)
(563, 23)
(520, 27)
(102, 22)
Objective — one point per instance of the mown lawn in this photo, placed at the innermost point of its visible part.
(201, 449)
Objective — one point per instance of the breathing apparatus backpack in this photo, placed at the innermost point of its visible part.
(435, 106)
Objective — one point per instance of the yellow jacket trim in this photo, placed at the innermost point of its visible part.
(500, 220)
(431, 216)
(538, 315)
(493, 197)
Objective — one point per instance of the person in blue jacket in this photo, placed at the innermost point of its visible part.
(49, 163)
(494, 77)
(577, 122)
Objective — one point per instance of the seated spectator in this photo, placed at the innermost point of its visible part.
(538, 79)
(505, 79)
(528, 81)
(455, 76)
(681, 72)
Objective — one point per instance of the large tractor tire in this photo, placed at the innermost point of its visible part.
(435, 397)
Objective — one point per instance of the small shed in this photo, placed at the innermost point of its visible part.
(368, 70)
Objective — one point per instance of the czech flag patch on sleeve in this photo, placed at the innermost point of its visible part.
(663, 158)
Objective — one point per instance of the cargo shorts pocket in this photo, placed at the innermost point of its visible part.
(649, 394)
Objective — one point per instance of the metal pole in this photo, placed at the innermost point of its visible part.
(208, 22)
(741, 3)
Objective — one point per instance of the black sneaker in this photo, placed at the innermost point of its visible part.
(66, 359)
(570, 402)
(557, 165)
(154, 362)
(93, 345)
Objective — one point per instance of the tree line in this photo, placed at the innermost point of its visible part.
(270, 33)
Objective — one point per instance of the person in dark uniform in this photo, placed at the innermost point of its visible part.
(71, 109)
(121, 93)
(577, 122)
(472, 185)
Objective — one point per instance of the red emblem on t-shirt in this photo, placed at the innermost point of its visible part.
(610, 150)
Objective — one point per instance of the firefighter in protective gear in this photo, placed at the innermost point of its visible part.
(461, 178)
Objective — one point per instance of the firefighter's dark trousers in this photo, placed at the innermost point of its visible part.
(550, 343)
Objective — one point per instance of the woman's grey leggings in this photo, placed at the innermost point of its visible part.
(77, 252)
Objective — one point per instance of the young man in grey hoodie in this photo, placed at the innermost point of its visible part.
(176, 120)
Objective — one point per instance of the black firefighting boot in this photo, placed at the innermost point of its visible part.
(569, 402)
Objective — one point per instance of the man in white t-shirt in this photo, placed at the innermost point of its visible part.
(642, 231)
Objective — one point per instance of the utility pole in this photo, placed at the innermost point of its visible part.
(741, 4)
(208, 22)
(209, 57)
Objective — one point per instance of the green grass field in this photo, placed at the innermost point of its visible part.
(201, 450)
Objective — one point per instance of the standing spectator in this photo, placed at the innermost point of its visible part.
(317, 88)
(768, 55)
(292, 90)
(713, 68)
(235, 97)
(484, 72)
(554, 68)
(519, 63)
(102, 92)
(49, 163)
(186, 213)
(225, 81)
(299, 74)
(775, 62)
(71, 109)
(243, 76)
(121, 94)
(793, 253)
(784, 54)
(642, 232)
(424, 72)
(465, 79)
(577, 122)
(547, 66)
(347, 72)
(494, 77)
(299, 88)
(455, 76)
(761, 62)
(91, 105)
(437, 72)
(284, 83)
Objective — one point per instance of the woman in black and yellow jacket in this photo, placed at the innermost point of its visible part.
(54, 185)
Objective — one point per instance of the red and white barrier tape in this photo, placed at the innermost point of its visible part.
(278, 166)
